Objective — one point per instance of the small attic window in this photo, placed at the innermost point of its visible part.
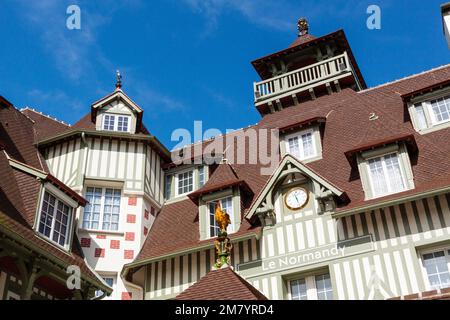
(432, 112)
(114, 122)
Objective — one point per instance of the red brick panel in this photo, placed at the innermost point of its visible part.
(145, 231)
(115, 244)
(131, 218)
(85, 242)
(129, 236)
(152, 209)
(128, 254)
(99, 252)
(101, 236)
(127, 295)
(146, 214)
(132, 201)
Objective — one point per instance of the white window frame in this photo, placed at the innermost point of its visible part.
(116, 122)
(194, 181)
(431, 121)
(421, 254)
(383, 163)
(299, 135)
(102, 212)
(68, 236)
(311, 287)
(230, 228)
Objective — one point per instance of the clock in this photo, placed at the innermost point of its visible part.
(296, 198)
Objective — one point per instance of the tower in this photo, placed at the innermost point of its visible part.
(310, 67)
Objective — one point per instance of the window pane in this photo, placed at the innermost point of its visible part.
(108, 123)
(47, 213)
(421, 120)
(227, 206)
(377, 175)
(168, 186)
(298, 290)
(441, 109)
(323, 286)
(92, 210)
(394, 173)
(294, 148)
(308, 147)
(111, 209)
(185, 182)
(54, 220)
(122, 123)
(437, 269)
(201, 176)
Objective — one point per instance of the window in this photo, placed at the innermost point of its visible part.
(201, 176)
(386, 175)
(185, 182)
(301, 145)
(54, 221)
(431, 112)
(103, 210)
(116, 123)
(168, 186)
(311, 288)
(227, 206)
(109, 281)
(437, 266)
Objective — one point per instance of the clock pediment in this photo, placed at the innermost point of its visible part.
(291, 176)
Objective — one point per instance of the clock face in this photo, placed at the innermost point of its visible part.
(296, 198)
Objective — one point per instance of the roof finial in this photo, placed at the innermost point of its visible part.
(303, 27)
(118, 80)
(222, 243)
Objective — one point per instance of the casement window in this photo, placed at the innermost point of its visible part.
(433, 112)
(103, 210)
(201, 176)
(316, 287)
(386, 175)
(437, 268)
(385, 171)
(227, 206)
(168, 186)
(302, 145)
(113, 122)
(184, 182)
(55, 219)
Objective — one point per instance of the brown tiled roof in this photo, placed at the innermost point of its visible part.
(221, 284)
(348, 125)
(223, 176)
(439, 294)
(44, 125)
(19, 191)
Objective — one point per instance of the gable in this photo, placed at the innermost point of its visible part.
(289, 165)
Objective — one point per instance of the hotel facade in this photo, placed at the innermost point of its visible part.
(357, 205)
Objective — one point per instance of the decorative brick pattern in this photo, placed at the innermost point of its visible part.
(132, 201)
(153, 211)
(145, 231)
(129, 236)
(85, 242)
(115, 244)
(131, 218)
(99, 252)
(146, 214)
(442, 294)
(127, 295)
(128, 254)
(101, 236)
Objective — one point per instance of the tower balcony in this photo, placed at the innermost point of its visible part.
(290, 86)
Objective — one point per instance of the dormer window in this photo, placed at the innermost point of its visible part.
(385, 171)
(386, 175)
(431, 113)
(55, 220)
(304, 145)
(112, 122)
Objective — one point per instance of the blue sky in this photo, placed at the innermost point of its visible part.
(187, 60)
